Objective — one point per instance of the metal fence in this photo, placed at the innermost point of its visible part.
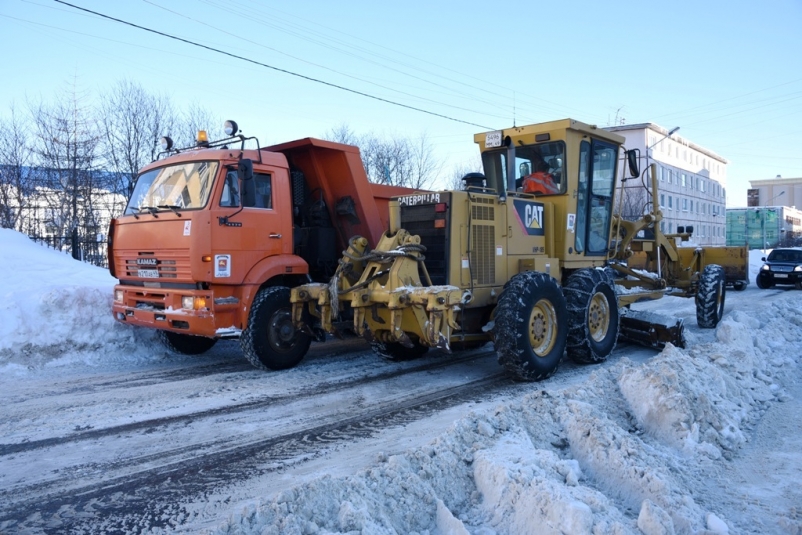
(91, 251)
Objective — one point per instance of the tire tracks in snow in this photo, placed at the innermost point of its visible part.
(150, 493)
(266, 401)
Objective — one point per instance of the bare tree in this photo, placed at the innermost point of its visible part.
(133, 121)
(634, 201)
(192, 120)
(425, 168)
(15, 175)
(343, 134)
(66, 144)
(397, 161)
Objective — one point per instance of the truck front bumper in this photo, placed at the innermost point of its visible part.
(195, 312)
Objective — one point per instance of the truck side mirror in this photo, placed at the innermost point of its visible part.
(245, 176)
(633, 159)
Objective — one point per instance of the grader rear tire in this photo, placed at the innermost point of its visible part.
(593, 323)
(710, 296)
(531, 326)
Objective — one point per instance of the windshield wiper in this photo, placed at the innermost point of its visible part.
(151, 209)
(172, 207)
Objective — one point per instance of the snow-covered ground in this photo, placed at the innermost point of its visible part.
(706, 439)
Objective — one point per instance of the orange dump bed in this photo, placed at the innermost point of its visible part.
(358, 207)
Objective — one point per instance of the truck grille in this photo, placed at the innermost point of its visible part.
(419, 220)
(171, 265)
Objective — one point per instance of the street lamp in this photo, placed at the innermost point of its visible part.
(670, 133)
(763, 220)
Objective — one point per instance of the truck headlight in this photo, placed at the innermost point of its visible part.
(188, 302)
(118, 296)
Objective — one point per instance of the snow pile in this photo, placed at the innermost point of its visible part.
(52, 306)
(619, 453)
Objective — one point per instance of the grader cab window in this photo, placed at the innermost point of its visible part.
(539, 168)
(597, 168)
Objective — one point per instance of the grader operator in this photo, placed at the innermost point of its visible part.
(532, 272)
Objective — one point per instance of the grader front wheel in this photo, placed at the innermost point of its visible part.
(593, 311)
(531, 326)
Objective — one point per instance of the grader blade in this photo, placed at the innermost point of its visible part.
(651, 330)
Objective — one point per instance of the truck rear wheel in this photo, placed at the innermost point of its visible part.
(531, 326)
(593, 316)
(186, 344)
(710, 296)
(270, 341)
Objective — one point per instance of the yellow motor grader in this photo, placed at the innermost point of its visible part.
(540, 274)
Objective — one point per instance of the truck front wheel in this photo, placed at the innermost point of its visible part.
(531, 326)
(186, 344)
(270, 341)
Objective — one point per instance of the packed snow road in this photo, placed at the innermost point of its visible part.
(129, 445)
(119, 436)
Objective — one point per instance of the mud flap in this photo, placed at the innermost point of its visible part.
(650, 330)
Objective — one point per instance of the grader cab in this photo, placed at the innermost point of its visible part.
(521, 257)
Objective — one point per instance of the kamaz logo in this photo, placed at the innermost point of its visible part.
(530, 216)
(146, 261)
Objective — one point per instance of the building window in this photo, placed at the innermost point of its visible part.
(669, 203)
(660, 173)
(684, 182)
(662, 200)
(684, 205)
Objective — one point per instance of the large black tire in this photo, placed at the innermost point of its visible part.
(186, 343)
(710, 296)
(762, 282)
(593, 321)
(531, 326)
(396, 352)
(270, 341)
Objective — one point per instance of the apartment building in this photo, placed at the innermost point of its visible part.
(691, 182)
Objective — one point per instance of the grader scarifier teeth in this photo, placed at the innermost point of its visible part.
(386, 295)
(651, 330)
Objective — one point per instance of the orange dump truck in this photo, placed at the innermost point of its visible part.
(213, 237)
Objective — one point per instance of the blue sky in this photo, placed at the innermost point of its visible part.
(729, 73)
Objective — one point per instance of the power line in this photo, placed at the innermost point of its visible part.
(278, 69)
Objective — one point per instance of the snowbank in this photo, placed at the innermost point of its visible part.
(52, 306)
(617, 454)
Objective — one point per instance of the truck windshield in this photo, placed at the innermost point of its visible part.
(184, 186)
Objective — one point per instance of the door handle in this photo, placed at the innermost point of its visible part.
(275, 236)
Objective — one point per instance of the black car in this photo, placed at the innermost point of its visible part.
(782, 266)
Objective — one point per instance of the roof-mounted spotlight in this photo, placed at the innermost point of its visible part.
(166, 143)
(230, 128)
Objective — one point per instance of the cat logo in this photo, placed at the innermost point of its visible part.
(530, 216)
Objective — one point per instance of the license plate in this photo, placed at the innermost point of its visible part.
(780, 276)
(148, 273)
(493, 139)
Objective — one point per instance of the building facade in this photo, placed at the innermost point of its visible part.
(775, 191)
(764, 227)
(691, 182)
